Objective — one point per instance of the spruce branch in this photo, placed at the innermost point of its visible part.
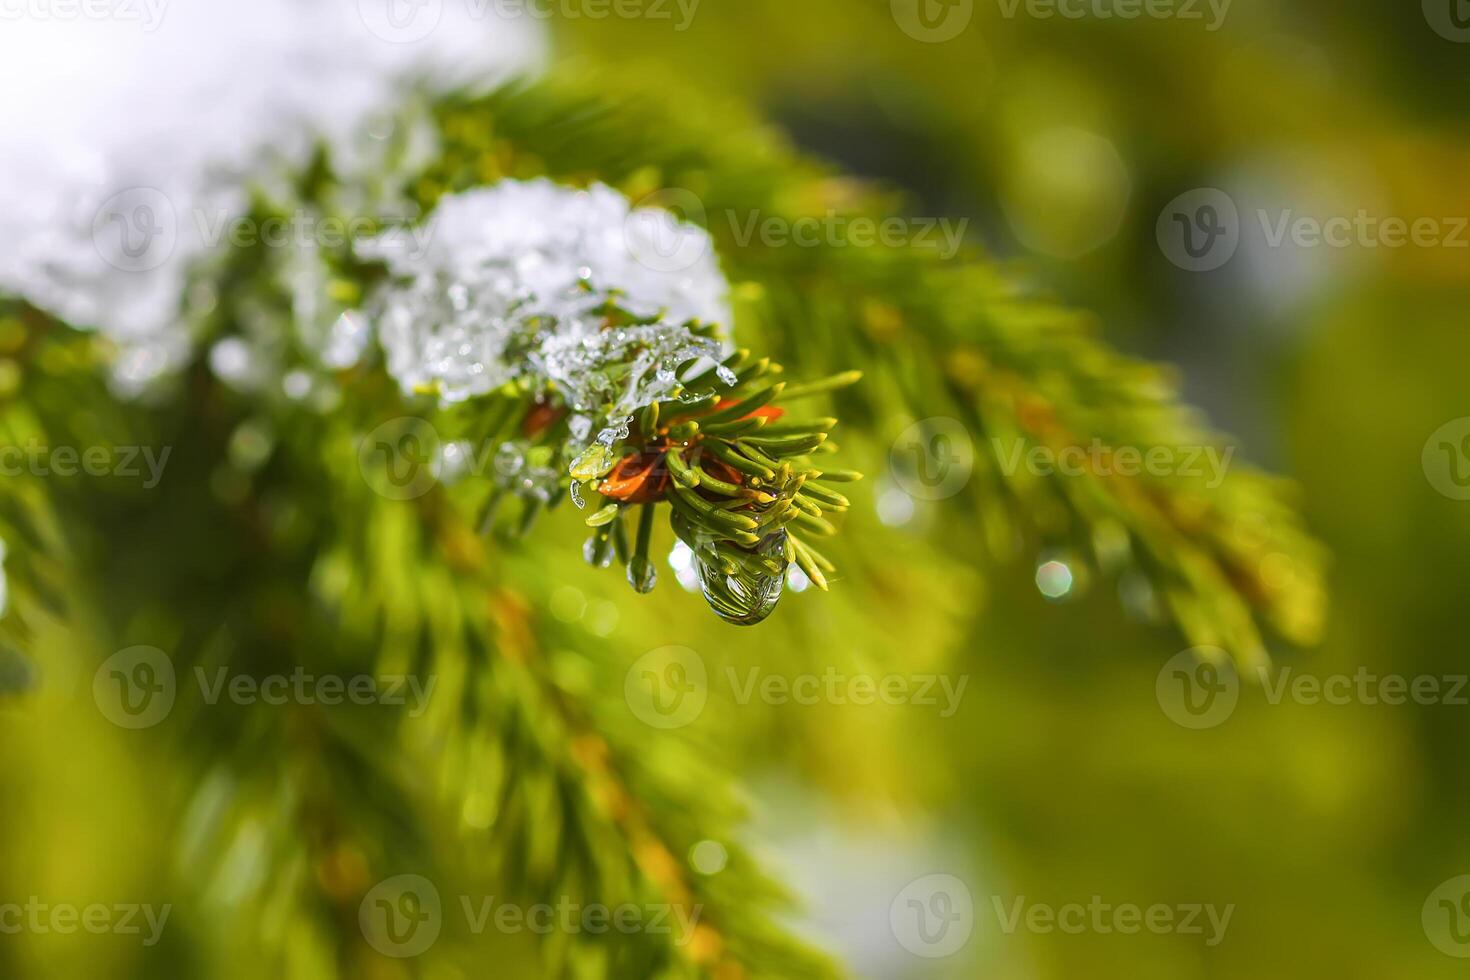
(948, 338)
(527, 751)
(530, 754)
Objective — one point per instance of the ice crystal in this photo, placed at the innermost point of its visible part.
(526, 470)
(514, 282)
(347, 341)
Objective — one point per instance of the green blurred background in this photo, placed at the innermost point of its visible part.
(1060, 778)
(1327, 825)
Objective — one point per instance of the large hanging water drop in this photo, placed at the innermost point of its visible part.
(744, 590)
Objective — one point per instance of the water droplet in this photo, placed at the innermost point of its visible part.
(509, 459)
(1060, 576)
(598, 551)
(297, 385)
(595, 462)
(642, 574)
(347, 341)
(576, 492)
(235, 363)
(709, 857)
(1139, 599)
(746, 593)
(454, 460)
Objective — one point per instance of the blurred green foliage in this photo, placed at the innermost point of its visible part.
(1059, 778)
